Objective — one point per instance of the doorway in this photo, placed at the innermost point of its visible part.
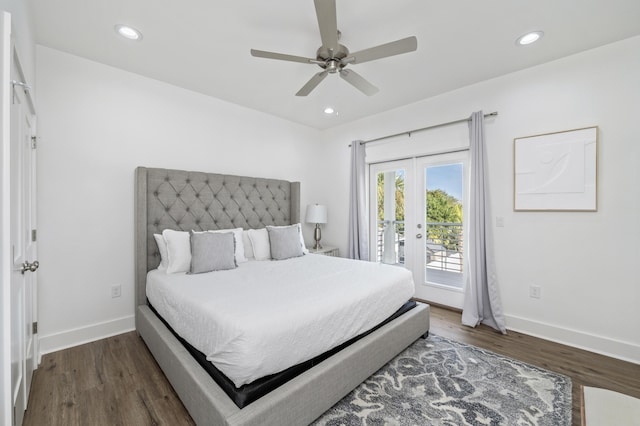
(417, 222)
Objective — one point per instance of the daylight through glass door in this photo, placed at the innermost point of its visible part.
(443, 219)
(390, 217)
(416, 217)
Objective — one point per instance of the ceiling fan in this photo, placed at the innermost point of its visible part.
(333, 57)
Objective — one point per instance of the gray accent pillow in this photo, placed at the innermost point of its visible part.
(284, 242)
(212, 251)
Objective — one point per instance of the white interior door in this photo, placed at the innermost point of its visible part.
(417, 222)
(6, 260)
(23, 241)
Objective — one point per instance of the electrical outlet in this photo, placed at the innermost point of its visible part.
(535, 291)
(499, 222)
(116, 291)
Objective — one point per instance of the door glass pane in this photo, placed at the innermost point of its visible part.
(443, 228)
(390, 217)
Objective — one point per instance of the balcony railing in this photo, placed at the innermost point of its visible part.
(444, 249)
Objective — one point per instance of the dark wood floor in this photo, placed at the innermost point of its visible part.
(115, 381)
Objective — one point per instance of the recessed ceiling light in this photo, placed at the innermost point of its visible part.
(128, 32)
(529, 38)
(329, 110)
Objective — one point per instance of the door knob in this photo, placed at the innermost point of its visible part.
(26, 266)
(419, 236)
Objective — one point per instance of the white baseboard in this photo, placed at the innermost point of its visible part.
(625, 351)
(78, 336)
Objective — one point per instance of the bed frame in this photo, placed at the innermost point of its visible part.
(181, 200)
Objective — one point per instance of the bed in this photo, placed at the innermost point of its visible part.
(181, 200)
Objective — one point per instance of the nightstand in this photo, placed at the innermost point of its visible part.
(326, 250)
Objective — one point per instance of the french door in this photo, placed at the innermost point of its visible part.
(417, 222)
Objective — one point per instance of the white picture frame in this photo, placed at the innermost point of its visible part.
(556, 171)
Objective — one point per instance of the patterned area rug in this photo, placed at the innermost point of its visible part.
(437, 381)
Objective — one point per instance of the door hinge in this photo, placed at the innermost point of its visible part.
(35, 327)
(34, 235)
(34, 142)
(25, 86)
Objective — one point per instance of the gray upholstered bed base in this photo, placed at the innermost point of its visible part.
(297, 402)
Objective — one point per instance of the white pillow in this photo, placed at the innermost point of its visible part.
(260, 243)
(248, 249)
(162, 248)
(178, 251)
(237, 236)
(304, 247)
(305, 250)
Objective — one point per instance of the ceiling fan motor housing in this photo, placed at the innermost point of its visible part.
(332, 58)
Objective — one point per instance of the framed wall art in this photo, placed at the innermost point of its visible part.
(556, 171)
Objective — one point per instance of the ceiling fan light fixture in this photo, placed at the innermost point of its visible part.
(528, 38)
(128, 32)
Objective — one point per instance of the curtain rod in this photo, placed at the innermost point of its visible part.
(408, 133)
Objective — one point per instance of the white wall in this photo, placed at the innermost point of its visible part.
(98, 123)
(584, 262)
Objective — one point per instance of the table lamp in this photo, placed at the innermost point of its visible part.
(317, 214)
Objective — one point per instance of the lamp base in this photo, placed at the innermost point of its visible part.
(317, 236)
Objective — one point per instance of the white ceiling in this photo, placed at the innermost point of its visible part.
(203, 45)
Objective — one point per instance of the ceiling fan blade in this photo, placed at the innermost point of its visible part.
(311, 84)
(393, 48)
(357, 81)
(281, 56)
(328, 23)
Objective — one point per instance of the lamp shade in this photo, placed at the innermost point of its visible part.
(316, 213)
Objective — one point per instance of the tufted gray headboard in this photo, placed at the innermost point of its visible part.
(181, 200)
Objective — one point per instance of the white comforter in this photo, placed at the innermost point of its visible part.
(266, 316)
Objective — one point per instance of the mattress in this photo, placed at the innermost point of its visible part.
(250, 392)
(266, 316)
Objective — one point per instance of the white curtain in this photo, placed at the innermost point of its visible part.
(482, 299)
(358, 247)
